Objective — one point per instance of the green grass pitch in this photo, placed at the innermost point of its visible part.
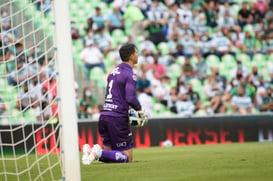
(226, 162)
(230, 162)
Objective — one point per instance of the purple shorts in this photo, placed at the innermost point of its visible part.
(115, 132)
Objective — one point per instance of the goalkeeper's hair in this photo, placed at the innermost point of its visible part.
(126, 51)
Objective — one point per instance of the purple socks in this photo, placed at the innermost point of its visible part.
(113, 156)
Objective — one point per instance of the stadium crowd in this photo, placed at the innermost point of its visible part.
(199, 57)
(195, 57)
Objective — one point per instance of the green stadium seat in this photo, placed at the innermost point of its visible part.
(194, 60)
(224, 70)
(229, 61)
(110, 60)
(30, 115)
(246, 60)
(213, 60)
(163, 47)
(180, 60)
(174, 70)
(158, 109)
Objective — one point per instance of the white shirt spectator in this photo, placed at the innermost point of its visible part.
(211, 92)
(221, 43)
(146, 102)
(185, 108)
(147, 45)
(244, 71)
(188, 45)
(91, 55)
(159, 89)
(185, 15)
(42, 114)
(226, 22)
(260, 91)
(241, 102)
(103, 40)
(35, 91)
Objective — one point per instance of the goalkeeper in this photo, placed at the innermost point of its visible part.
(113, 123)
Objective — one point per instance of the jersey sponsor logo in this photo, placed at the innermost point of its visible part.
(109, 107)
(121, 144)
(115, 71)
(120, 156)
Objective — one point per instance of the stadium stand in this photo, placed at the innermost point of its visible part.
(228, 48)
(173, 31)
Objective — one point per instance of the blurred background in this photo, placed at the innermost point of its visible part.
(196, 58)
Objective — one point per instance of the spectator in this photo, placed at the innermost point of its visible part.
(221, 45)
(103, 40)
(184, 106)
(89, 37)
(18, 75)
(43, 111)
(159, 71)
(74, 31)
(91, 56)
(185, 13)
(145, 101)
(134, 16)
(194, 97)
(211, 14)
(35, 88)
(262, 7)
(25, 99)
(115, 19)
(98, 18)
(269, 14)
(188, 70)
(44, 5)
(267, 101)
(220, 79)
(5, 20)
(249, 90)
(254, 76)
(254, 12)
(270, 69)
(267, 45)
(244, 15)
(160, 90)
(173, 42)
(172, 99)
(260, 92)
(239, 71)
(214, 92)
(250, 44)
(201, 67)
(147, 47)
(144, 84)
(87, 106)
(51, 85)
(241, 103)
(189, 46)
(180, 85)
(199, 22)
(226, 21)
(4, 51)
(3, 107)
(46, 95)
(158, 19)
(205, 44)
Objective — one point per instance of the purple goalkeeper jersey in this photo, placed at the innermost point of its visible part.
(120, 92)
